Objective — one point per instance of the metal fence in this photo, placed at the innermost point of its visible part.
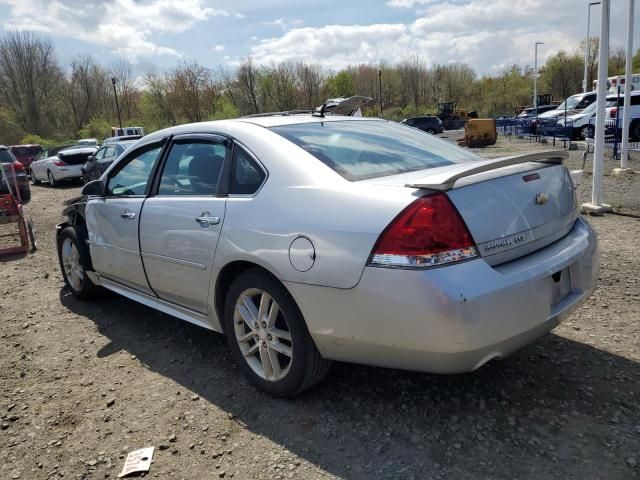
(536, 129)
(562, 130)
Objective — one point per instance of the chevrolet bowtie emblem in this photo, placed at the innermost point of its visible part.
(541, 198)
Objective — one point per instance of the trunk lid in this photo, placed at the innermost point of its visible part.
(75, 158)
(513, 215)
(511, 206)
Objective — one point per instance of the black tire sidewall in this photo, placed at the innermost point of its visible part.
(299, 333)
(77, 235)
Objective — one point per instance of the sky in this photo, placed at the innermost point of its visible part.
(155, 35)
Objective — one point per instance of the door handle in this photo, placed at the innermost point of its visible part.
(128, 214)
(205, 219)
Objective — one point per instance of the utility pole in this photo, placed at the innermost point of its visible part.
(535, 75)
(115, 94)
(380, 89)
(587, 48)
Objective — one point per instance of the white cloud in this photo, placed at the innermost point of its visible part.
(126, 27)
(487, 34)
(218, 48)
(285, 24)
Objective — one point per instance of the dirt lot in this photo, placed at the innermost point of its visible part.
(81, 384)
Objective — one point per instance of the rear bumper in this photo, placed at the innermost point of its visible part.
(64, 173)
(451, 319)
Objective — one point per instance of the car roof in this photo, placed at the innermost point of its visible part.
(267, 121)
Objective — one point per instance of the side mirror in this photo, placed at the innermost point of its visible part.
(94, 189)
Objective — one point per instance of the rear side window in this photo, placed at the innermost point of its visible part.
(363, 149)
(635, 100)
(246, 175)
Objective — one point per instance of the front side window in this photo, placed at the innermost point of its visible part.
(100, 154)
(192, 169)
(363, 149)
(246, 175)
(132, 178)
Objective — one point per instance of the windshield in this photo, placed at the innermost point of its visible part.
(570, 103)
(361, 149)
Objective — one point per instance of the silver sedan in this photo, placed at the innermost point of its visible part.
(310, 238)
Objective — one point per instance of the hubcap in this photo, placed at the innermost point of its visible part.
(263, 334)
(71, 263)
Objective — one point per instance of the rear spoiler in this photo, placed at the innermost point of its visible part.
(445, 180)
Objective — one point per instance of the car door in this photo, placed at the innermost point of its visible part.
(181, 221)
(90, 167)
(113, 220)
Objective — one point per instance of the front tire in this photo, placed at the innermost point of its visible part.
(52, 181)
(75, 260)
(268, 337)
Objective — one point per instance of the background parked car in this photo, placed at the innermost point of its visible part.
(65, 165)
(534, 112)
(95, 166)
(87, 142)
(26, 154)
(426, 123)
(572, 105)
(7, 160)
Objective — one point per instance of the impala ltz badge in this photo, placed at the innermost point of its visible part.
(541, 198)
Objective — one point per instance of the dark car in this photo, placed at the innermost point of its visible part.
(95, 166)
(11, 167)
(26, 154)
(534, 112)
(426, 123)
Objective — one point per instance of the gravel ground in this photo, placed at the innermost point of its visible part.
(82, 384)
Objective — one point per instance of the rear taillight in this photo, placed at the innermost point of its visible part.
(428, 233)
(613, 112)
(59, 163)
(17, 166)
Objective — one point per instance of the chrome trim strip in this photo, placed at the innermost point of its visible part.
(177, 261)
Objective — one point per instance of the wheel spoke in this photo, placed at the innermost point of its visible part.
(281, 334)
(281, 348)
(265, 301)
(247, 311)
(252, 350)
(275, 363)
(266, 362)
(273, 314)
(245, 338)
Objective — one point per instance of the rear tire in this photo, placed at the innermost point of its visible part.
(75, 261)
(275, 350)
(34, 180)
(52, 181)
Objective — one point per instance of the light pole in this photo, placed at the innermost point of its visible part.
(587, 47)
(535, 75)
(380, 87)
(115, 94)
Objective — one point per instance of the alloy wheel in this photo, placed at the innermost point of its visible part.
(263, 334)
(71, 264)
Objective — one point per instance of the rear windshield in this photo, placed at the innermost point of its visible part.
(26, 151)
(361, 149)
(5, 156)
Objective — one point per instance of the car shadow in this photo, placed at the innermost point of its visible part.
(539, 407)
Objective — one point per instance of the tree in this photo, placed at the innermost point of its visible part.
(562, 74)
(340, 85)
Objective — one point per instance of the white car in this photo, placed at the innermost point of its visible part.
(583, 123)
(64, 165)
